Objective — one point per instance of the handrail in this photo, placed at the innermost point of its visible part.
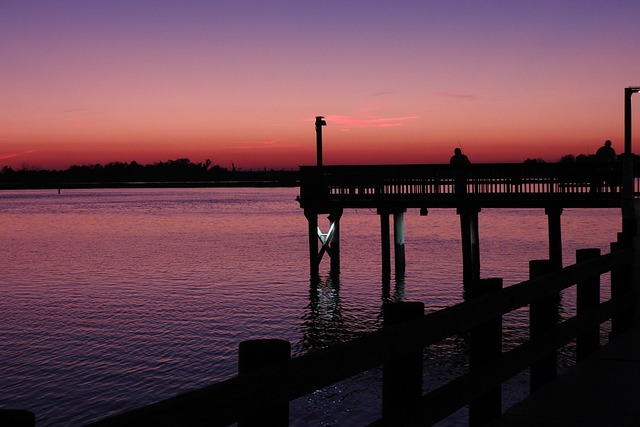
(226, 402)
(440, 185)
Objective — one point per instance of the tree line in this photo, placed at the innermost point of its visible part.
(179, 170)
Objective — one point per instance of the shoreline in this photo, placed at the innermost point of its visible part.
(168, 184)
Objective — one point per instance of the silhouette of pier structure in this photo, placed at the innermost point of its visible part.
(392, 189)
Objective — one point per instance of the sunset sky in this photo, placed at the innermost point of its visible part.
(86, 81)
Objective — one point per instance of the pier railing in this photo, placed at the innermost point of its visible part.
(441, 185)
(261, 396)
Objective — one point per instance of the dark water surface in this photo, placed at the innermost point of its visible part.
(113, 299)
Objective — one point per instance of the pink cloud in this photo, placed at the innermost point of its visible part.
(456, 95)
(14, 155)
(378, 122)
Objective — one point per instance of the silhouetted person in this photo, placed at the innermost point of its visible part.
(606, 153)
(606, 157)
(459, 158)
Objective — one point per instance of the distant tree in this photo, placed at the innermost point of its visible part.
(537, 160)
(567, 159)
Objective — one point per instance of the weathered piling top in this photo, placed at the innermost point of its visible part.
(521, 185)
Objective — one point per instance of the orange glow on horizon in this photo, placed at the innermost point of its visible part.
(100, 83)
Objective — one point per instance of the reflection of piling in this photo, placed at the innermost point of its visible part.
(254, 355)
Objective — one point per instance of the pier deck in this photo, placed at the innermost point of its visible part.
(602, 390)
(523, 185)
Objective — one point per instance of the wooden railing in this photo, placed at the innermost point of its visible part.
(490, 185)
(262, 396)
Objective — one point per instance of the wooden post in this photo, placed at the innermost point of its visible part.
(621, 287)
(398, 237)
(17, 418)
(485, 346)
(334, 219)
(402, 377)
(314, 260)
(470, 244)
(588, 298)
(543, 317)
(555, 234)
(385, 238)
(257, 354)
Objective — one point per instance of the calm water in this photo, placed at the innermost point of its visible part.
(113, 299)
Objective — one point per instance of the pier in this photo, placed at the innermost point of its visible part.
(392, 189)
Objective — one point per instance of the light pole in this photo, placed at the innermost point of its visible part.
(628, 214)
(628, 91)
(319, 123)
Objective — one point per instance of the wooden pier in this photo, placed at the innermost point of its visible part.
(392, 189)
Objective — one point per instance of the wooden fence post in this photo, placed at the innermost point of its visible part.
(485, 346)
(588, 298)
(257, 354)
(621, 287)
(543, 317)
(17, 418)
(401, 377)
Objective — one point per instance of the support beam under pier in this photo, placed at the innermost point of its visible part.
(398, 238)
(555, 234)
(470, 244)
(385, 240)
(330, 242)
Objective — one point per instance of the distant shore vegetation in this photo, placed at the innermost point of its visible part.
(167, 173)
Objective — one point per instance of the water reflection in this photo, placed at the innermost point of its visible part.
(323, 324)
(398, 294)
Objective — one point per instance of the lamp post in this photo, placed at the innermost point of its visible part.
(319, 123)
(628, 214)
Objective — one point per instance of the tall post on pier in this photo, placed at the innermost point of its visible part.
(555, 234)
(628, 211)
(470, 244)
(319, 123)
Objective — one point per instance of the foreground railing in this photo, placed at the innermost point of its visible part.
(260, 396)
(439, 185)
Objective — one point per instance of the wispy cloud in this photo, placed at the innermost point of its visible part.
(376, 122)
(14, 155)
(456, 95)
